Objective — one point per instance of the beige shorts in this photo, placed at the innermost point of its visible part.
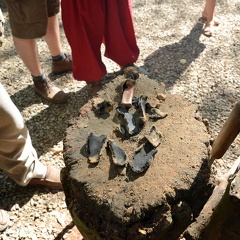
(29, 18)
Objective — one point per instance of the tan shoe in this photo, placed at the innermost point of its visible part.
(62, 66)
(4, 220)
(49, 91)
(52, 179)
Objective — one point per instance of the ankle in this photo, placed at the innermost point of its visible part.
(39, 78)
(59, 57)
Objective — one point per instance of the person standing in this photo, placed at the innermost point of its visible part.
(88, 24)
(34, 19)
(18, 158)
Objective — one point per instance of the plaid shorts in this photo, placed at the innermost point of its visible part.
(29, 18)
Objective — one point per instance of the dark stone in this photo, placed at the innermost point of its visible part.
(118, 155)
(143, 157)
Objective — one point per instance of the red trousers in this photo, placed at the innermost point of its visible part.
(88, 24)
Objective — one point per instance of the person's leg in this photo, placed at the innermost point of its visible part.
(62, 63)
(29, 20)
(208, 17)
(28, 52)
(18, 158)
(119, 36)
(52, 36)
(83, 23)
(208, 11)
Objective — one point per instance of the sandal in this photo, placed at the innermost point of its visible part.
(52, 179)
(203, 20)
(208, 29)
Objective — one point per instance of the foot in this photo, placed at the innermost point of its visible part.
(203, 20)
(51, 180)
(4, 220)
(49, 91)
(208, 29)
(62, 66)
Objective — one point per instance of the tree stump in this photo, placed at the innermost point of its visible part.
(220, 217)
(108, 201)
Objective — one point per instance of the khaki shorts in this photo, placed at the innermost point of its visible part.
(29, 18)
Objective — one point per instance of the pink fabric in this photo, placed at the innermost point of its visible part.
(88, 24)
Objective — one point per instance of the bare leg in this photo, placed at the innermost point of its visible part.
(28, 52)
(207, 15)
(29, 57)
(209, 10)
(52, 38)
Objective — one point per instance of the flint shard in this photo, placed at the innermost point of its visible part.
(157, 114)
(154, 136)
(118, 155)
(143, 157)
(129, 121)
(95, 146)
(142, 103)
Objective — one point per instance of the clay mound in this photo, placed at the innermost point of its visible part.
(110, 195)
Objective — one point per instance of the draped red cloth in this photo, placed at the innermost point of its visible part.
(88, 24)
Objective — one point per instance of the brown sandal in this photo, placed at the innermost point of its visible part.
(52, 179)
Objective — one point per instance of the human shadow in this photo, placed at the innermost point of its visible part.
(47, 124)
(12, 194)
(168, 63)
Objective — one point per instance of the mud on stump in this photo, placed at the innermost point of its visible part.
(108, 201)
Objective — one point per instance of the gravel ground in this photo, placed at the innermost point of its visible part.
(204, 70)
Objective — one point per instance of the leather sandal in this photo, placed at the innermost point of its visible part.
(52, 179)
